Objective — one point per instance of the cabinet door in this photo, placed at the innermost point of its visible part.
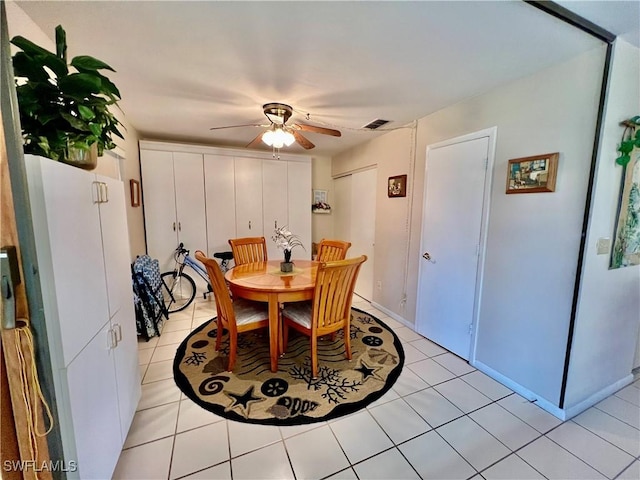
(158, 194)
(115, 244)
(274, 203)
(220, 202)
(93, 406)
(248, 180)
(69, 248)
(299, 202)
(126, 366)
(190, 206)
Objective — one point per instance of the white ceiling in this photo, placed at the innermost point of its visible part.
(183, 67)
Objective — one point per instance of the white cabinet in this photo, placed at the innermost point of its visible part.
(82, 245)
(221, 194)
(174, 203)
(220, 202)
(274, 201)
(248, 182)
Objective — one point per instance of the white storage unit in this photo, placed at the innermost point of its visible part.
(174, 203)
(246, 194)
(82, 244)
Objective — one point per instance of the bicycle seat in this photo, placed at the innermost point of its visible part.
(224, 255)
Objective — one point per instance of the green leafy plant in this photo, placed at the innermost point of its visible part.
(63, 108)
(630, 140)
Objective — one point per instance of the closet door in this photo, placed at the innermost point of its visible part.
(190, 207)
(248, 182)
(274, 204)
(159, 205)
(299, 204)
(220, 202)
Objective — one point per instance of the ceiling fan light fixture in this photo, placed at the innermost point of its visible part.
(278, 138)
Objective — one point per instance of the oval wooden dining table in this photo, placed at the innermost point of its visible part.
(264, 282)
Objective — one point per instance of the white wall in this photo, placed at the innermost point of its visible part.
(533, 239)
(606, 328)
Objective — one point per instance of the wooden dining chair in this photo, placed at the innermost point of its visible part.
(248, 250)
(235, 316)
(330, 250)
(330, 309)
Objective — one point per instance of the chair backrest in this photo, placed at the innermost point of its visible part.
(224, 305)
(331, 250)
(335, 282)
(248, 250)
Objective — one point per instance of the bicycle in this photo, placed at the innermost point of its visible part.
(178, 288)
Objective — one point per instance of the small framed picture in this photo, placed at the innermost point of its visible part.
(320, 203)
(134, 187)
(533, 174)
(397, 186)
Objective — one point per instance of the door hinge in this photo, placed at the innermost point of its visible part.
(470, 328)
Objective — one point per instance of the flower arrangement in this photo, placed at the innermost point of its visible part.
(286, 241)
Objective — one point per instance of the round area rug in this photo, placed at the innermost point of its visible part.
(252, 393)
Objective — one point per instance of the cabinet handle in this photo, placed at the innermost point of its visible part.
(118, 330)
(249, 224)
(174, 226)
(112, 339)
(96, 192)
(179, 227)
(275, 224)
(106, 192)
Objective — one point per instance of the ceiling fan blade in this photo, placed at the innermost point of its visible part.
(256, 141)
(237, 126)
(303, 141)
(312, 128)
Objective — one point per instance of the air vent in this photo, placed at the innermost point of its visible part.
(376, 124)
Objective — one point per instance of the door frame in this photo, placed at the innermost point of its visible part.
(491, 134)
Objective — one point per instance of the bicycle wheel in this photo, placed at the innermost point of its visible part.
(178, 291)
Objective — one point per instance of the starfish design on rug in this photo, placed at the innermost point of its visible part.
(243, 400)
(368, 371)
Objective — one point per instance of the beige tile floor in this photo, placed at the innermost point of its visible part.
(443, 419)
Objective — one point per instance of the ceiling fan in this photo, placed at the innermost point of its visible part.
(278, 133)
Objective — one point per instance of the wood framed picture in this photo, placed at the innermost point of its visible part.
(397, 186)
(134, 187)
(533, 174)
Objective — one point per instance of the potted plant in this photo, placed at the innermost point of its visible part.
(286, 241)
(64, 108)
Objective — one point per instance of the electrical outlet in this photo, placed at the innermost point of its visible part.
(379, 285)
(603, 246)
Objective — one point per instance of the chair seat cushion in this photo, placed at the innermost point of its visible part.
(248, 311)
(299, 312)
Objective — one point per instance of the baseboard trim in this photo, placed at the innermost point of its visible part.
(520, 390)
(598, 396)
(393, 315)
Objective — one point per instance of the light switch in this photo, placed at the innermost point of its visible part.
(603, 246)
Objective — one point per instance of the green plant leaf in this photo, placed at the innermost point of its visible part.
(29, 47)
(79, 85)
(623, 160)
(108, 88)
(635, 119)
(75, 122)
(87, 63)
(95, 129)
(86, 113)
(24, 66)
(61, 43)
(626, 146)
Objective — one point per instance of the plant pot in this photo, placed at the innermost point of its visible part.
(85, 159)
(286, 267)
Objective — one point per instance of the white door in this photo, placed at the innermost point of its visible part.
(220, 202)
(188, 171)
(299, 201)
(274, 203)
(159, 203)
(248, 179)
(355, 222)
(451, 242)
(363, 227)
